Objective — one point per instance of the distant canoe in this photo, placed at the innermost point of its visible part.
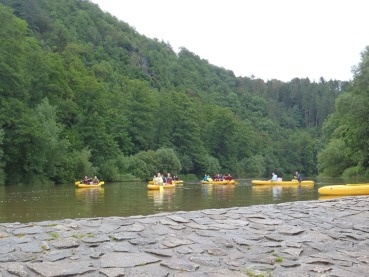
(80, 185)
(290, 183)
(224, 182)
(157, 187)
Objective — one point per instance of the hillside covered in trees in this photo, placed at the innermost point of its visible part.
(83, 93)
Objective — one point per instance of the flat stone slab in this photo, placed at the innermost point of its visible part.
(70, 242)
(127, 259)
(306, 238)
(48, 269)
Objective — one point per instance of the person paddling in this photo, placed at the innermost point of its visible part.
(169, 179)
(297, 176)
(274, 177)
(86, 181)
(159, 179)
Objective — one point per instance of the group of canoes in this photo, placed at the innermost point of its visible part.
(334, 190)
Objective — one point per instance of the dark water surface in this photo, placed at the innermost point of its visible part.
(47, 202)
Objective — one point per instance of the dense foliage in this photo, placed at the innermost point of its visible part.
(347, 130)
(83, 93)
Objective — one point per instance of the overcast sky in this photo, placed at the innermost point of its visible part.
(269, 39)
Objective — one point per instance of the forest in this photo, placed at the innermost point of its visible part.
(83, 93)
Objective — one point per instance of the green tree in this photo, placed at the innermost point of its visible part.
(212, 165)
(77, 165)
(186, 136)
(253, 166)
(140, 108)
(167, 160)
(219, 137)
(43, 149)
(16, 47)
(300, 153)
(333, 159)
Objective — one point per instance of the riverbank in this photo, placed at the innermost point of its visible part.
(307, 238)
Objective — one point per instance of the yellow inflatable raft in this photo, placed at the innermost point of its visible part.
(349, 189)
(286, 183)
(157, 187)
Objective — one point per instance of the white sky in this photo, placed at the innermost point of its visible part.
(269, 39)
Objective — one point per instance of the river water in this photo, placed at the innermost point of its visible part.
(30, 203)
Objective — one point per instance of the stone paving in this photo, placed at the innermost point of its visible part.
(307, 238)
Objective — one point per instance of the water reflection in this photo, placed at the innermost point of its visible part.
(160, 197)
(277, 192)
(207, 190)
(90, 194)
(155, 196)
(282, 192)
(220, 192)
(329, 197)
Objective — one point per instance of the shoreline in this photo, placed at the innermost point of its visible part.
(305, 238)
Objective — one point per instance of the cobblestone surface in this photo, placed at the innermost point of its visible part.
(309, 238)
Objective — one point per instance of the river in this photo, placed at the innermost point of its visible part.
(30, 203)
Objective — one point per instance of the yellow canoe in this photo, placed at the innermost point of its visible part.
(231, 182)
(90, 186)
(344, 190)
(156, 187)
(286, 183)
